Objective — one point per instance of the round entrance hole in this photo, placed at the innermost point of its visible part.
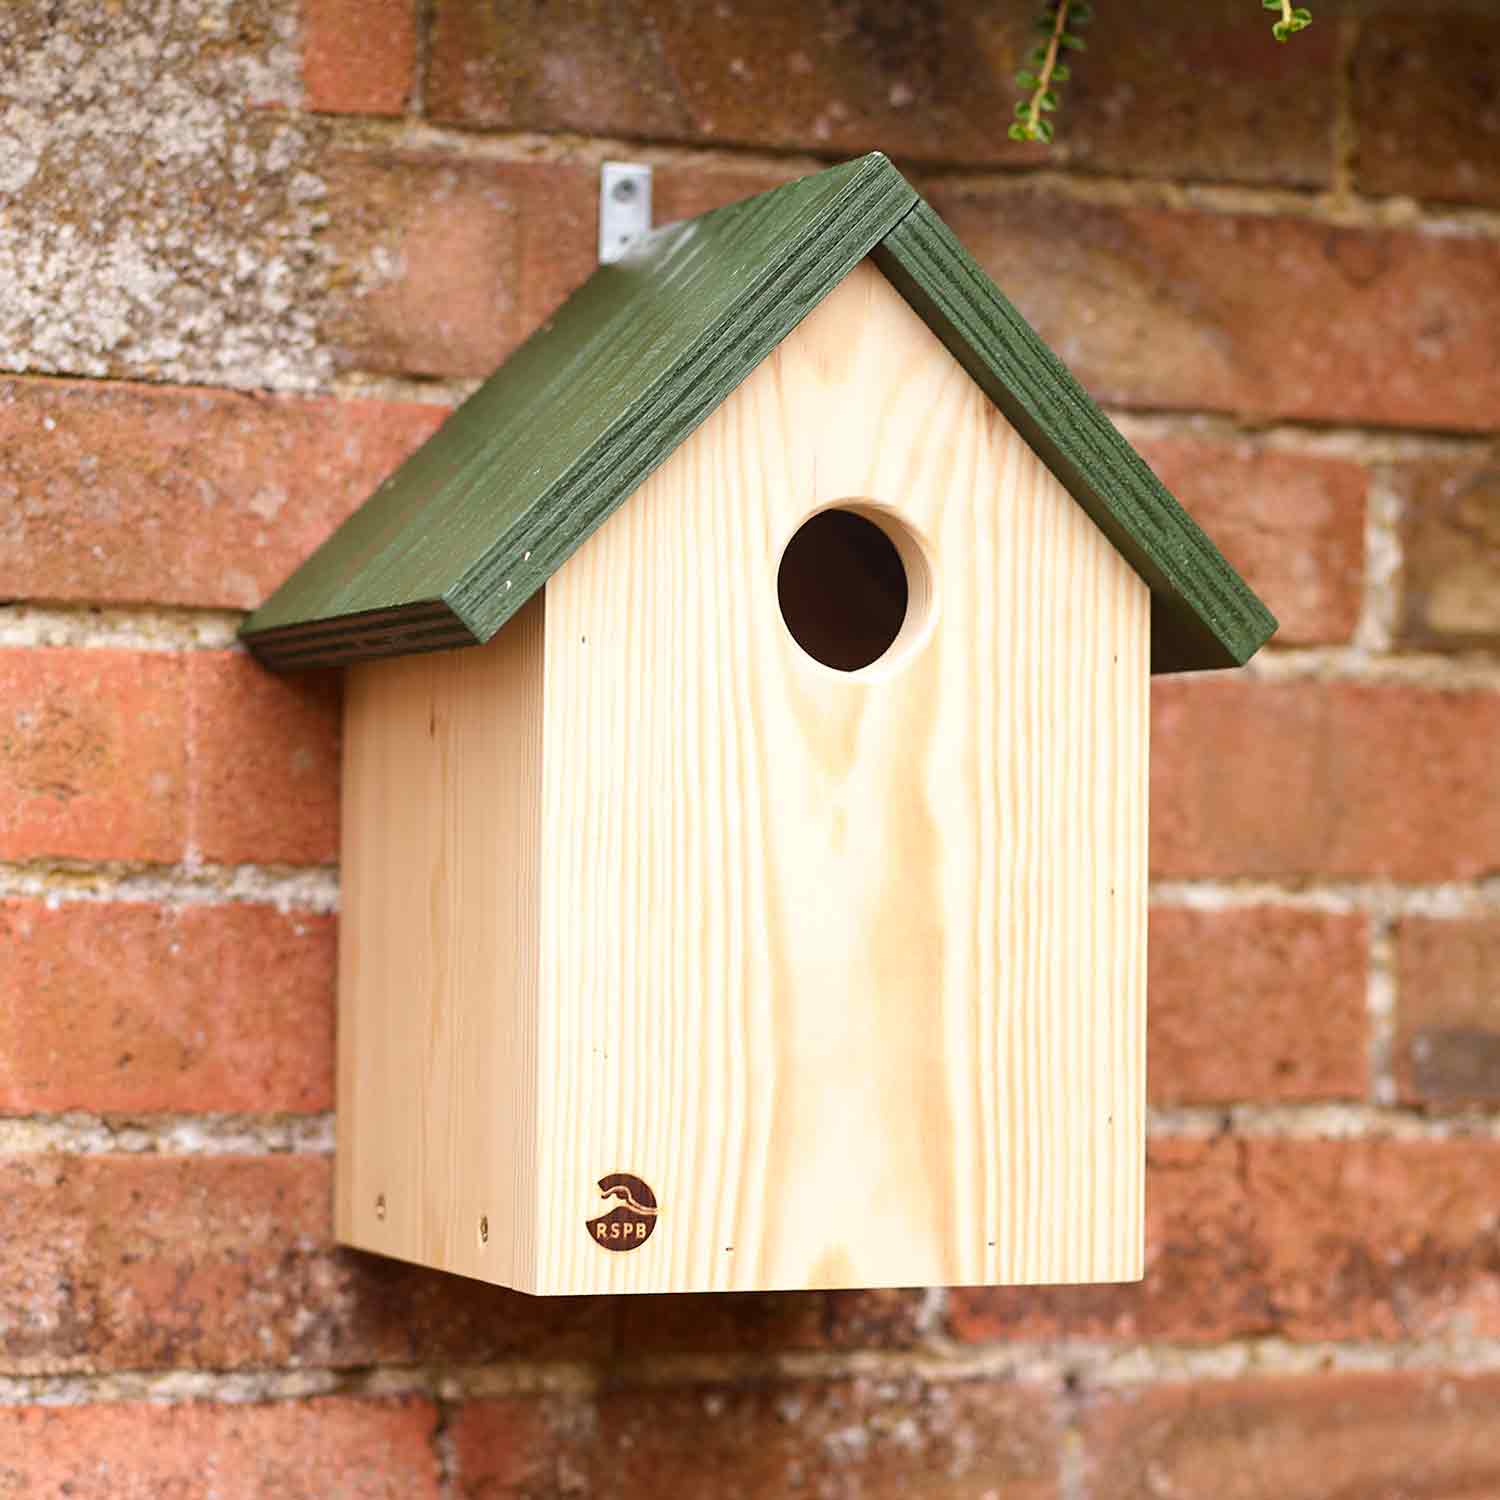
(852, 584)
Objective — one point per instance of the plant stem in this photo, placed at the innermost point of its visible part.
(1044, 82)
(1286, 12)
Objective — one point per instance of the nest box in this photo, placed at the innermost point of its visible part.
(758, 899)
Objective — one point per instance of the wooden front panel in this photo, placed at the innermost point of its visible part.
(849, 968)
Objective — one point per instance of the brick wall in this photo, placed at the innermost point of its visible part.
(252, 253)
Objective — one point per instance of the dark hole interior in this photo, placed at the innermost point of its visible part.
(842, 588)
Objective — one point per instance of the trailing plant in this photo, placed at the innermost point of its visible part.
(1044, 72)
(1293, 19)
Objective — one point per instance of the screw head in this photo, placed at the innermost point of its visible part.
(624, 190)
(380, 1206)
(484, 1229)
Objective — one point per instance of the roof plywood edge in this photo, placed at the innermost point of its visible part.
(565, 431)
(1204, 615)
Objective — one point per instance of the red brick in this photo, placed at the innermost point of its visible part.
(1204, 1279)
(768, 1322)
(92, 755)
(448, 263)
(1419, 1435)
(358, 56)
(332, 1446)
(1378, 1239)
(130, 494)
(1450, 555)
(1448, 1004)
(932, 82)
(122, 1007)
(1333, 779)
(1293, 525)
(1261, 1004)
(1301, 1239)
(265, 762)
(218, 1262)
(871, 1439)
(1257, 314)
(1425, 83)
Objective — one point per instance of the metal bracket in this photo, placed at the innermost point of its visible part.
(624, 207)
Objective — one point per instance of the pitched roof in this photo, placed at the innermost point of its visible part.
(475, 521)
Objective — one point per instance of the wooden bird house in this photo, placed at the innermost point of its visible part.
(758, 899)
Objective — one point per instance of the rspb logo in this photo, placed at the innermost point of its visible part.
(628, 1225)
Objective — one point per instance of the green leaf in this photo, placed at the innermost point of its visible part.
(1037, 57)
(1071, 42)
(1080, 15)
(1044, 131)
(1270, 4)
(1025, 78)
(1023, 108)
(1048, 100)
(1061, 73)
(1017, 132)
(1301, 17)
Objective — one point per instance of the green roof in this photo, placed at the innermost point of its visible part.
(475, 521)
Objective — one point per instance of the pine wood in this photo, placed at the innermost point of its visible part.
(1203, 613)
(438, 954)
(551, 445)
(848, 967)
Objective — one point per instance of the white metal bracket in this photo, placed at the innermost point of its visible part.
(624, 207)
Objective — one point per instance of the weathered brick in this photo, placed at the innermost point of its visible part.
(265, 762)
(1334, 779)
(446, 262)
(429, 247)
(117, 493)
(1302, 1239)
(872, 1439)
(1292, 523)
(109, 1006)
(217, 1262)
(1257, 314)
(1204, 1278)
(1420, 1435)
(1450, 564)
(158, 224)
(358, 56)
(152, 756)
(330, 1446)
(765, 1322)
(1378, 1239)
(1448, 1009)
(1264, 1003)
(929, 83)
(1429, 74)
(93, 761)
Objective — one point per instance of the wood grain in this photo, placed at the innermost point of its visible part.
(438, 955)
(469, 528)
(1204, 614)
(474, 523)
(848, 967)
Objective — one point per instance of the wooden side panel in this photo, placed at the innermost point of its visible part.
(849, 968)
(438, 952)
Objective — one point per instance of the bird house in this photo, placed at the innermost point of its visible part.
(745, 779)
